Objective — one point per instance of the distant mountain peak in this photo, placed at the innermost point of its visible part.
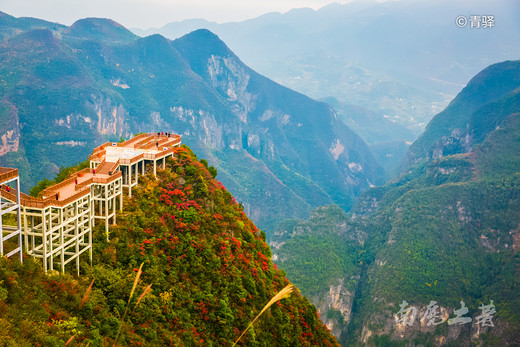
(100, 29)
(156, 38)
(43, 37)
(199, 45)
(96, 21)
(203, 35)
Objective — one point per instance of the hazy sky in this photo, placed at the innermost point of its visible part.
(152, 13)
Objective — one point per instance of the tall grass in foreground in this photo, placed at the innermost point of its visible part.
(87, 294)
(282, 294)
(148, 289)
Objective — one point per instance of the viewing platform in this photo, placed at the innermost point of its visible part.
(57, 225)
(132, 156)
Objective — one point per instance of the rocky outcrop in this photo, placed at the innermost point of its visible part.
(232, 79)
(335, 307)
(10, 132)
(111, 118)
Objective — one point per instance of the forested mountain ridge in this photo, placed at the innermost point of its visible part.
(448, 230)
(67, 89)
(206, 274)
(488, 99)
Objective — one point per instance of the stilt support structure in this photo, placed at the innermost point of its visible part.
(11, 230)
(57, 225)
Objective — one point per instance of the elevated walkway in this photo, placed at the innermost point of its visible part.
(57, 225)
(134, 155)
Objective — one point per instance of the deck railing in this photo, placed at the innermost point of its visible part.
(83, 184)
(105, 179)
(7, 173)
(56, 187)
(114, 166)
(101, 147)
(126, 161)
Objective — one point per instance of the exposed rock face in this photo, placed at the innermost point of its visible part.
(10, 133)
(230, 78)
(111, 119)
(10, 141)
(336, 149)
(337, 299)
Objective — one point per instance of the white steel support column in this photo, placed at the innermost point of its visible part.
(62, 239)
(9, 206)
(44, 240)
(1, 227)
(106, 210)
(130, 180)
(19, 217)
(120, 196)
(90, 225)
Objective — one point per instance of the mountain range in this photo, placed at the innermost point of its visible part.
(405, 60)
(446, 232)
(67, 89)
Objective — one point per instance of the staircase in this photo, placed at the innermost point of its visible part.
(107, 167)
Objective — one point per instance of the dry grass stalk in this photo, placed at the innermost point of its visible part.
(282, 294)
(146, 291)
(136, 281)
(70, 340)
(86, 296)
(129, 299)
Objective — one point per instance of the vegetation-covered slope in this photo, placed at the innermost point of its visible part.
(208, 266)
(488, 99)
(448, 230)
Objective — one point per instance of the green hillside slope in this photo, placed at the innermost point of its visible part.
(208, 266)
